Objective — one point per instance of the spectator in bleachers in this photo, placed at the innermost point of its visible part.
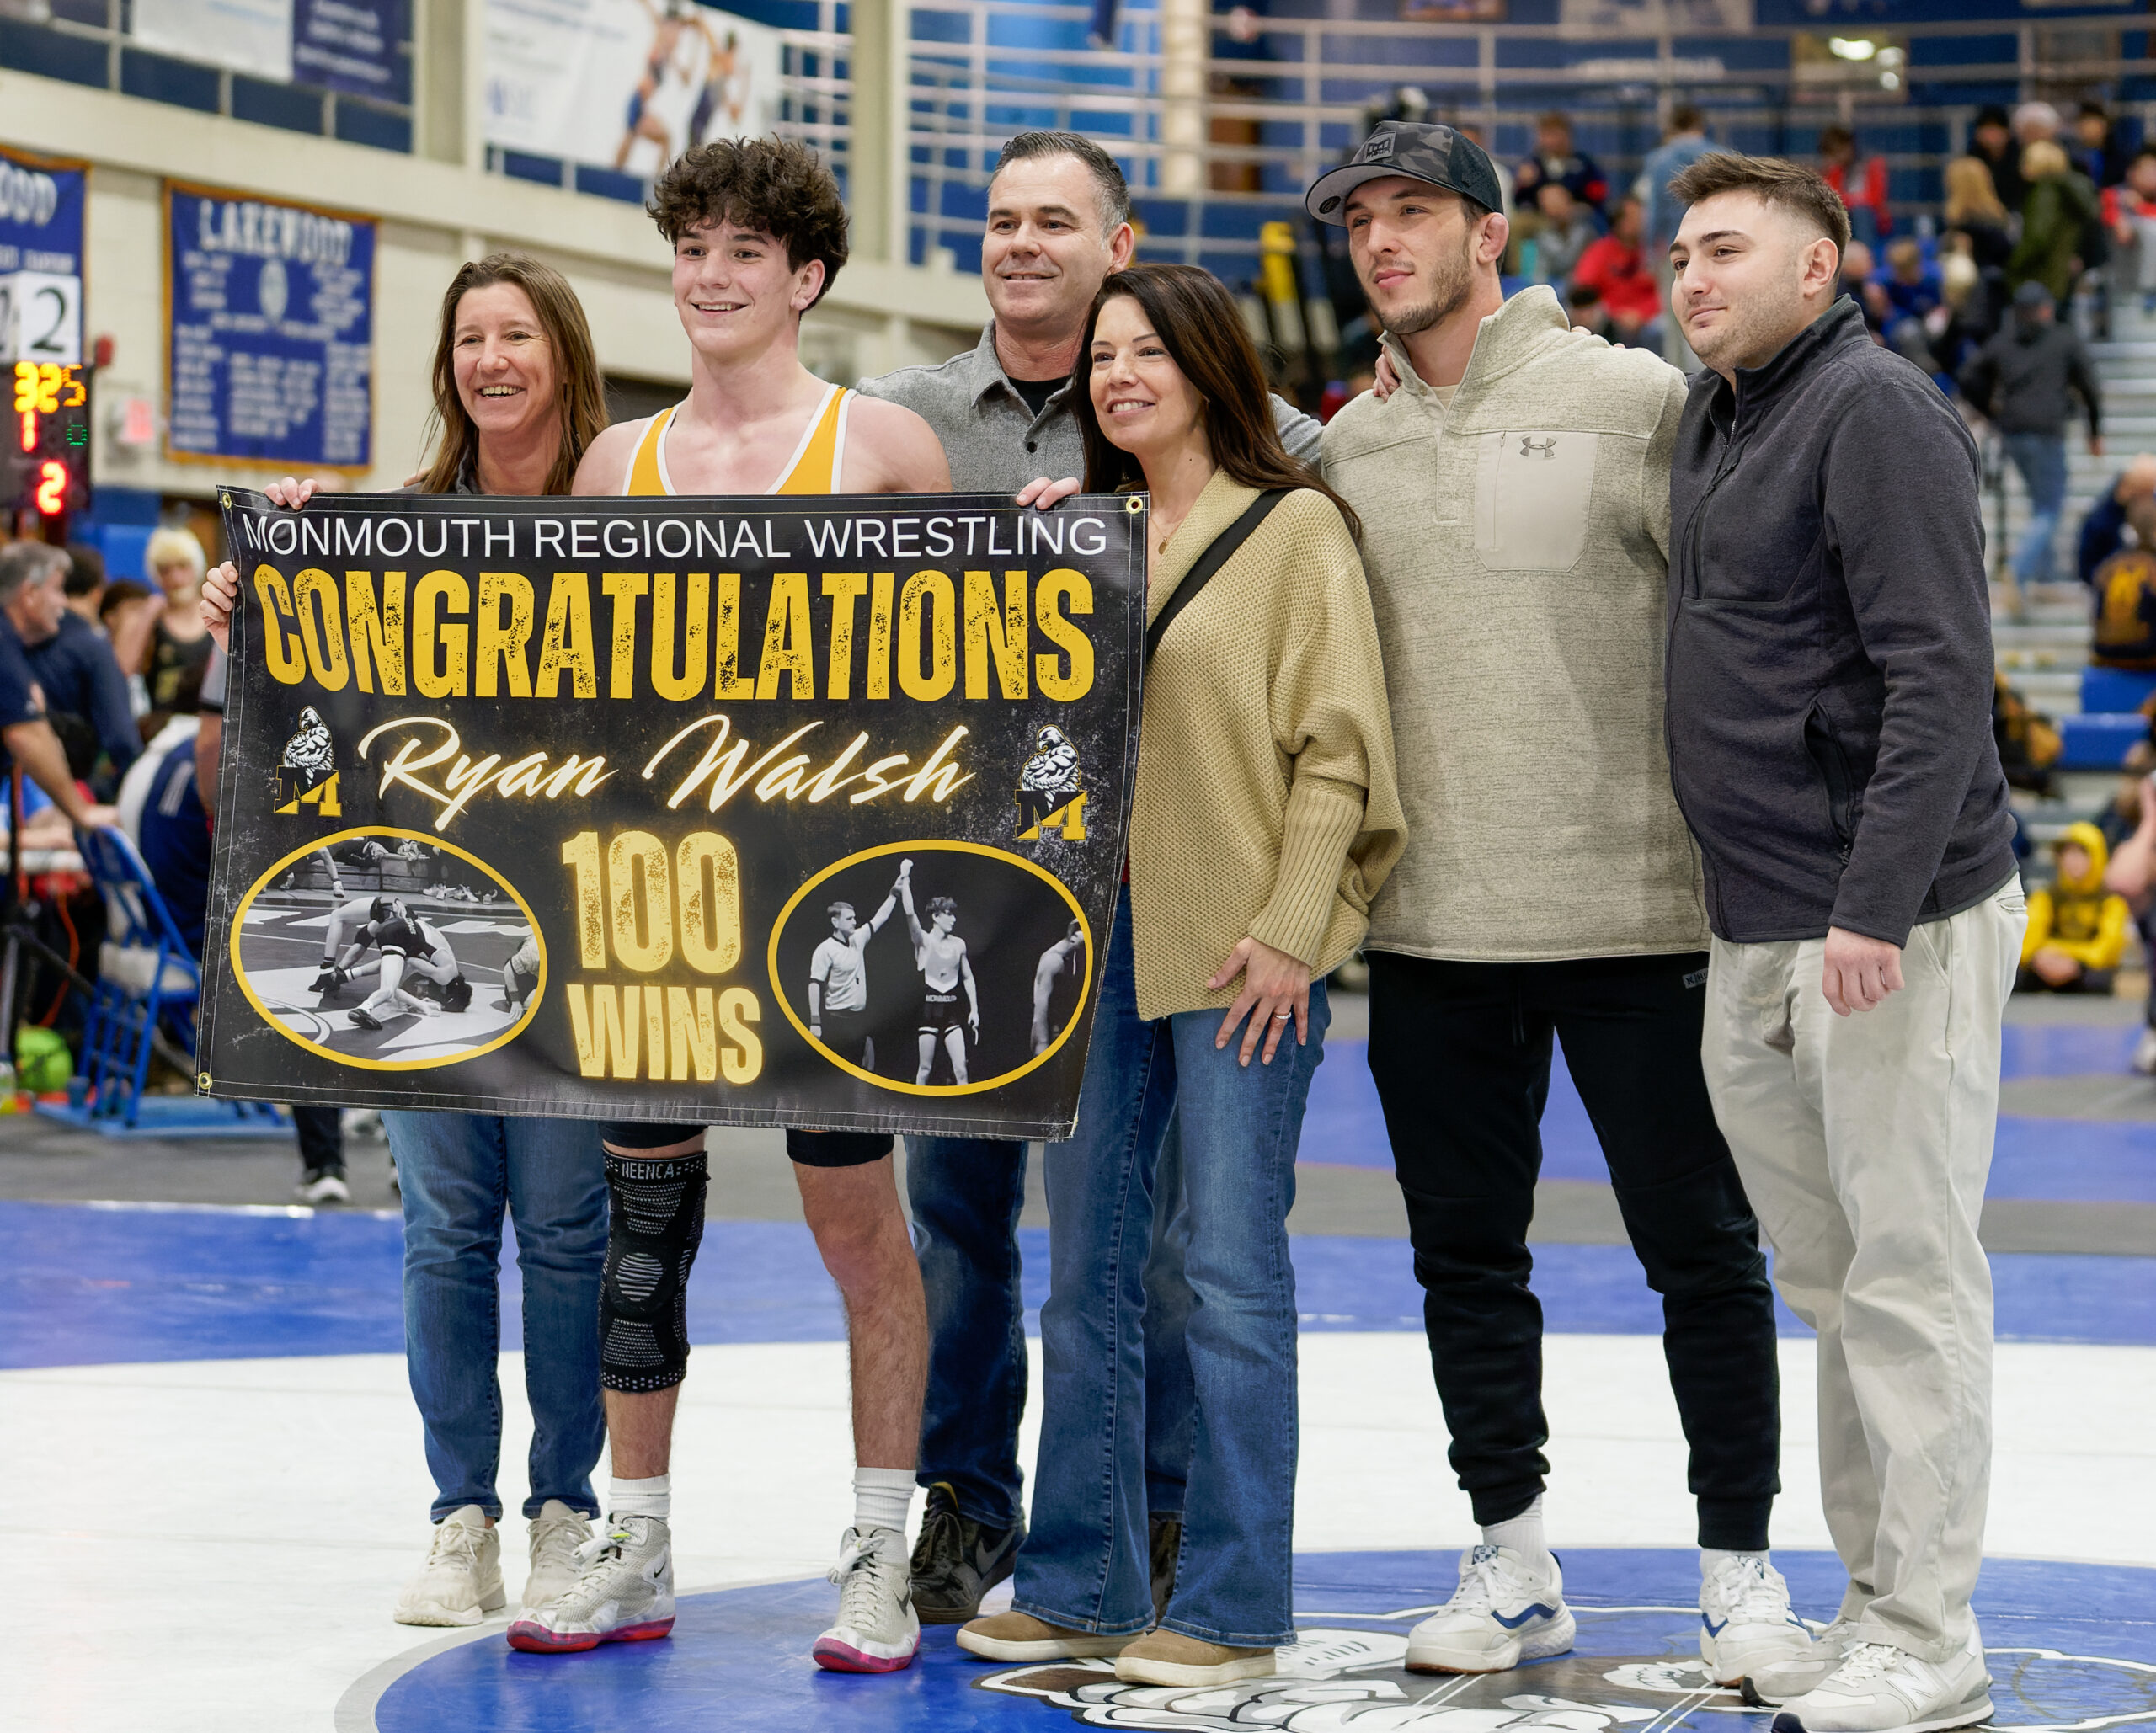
(128, 612)
(34, 568)
(1583, 308)
(1557, 158)
(179, 643)
(173, 834)
(1969, 321)
(1859, 181)
(2130, 210)
(2035, 123)
(1568, 229)
(2024, 381)
(2028, 741)
(2096, 150)
(2057, 211)
(2125, 595)
(85, 693)
(1916, 315)
(2132, 875)
(1858, 268)
(2103, 531)
(2077, 929)
(1682, 145)
(1615, 267)
(1976, 209)
(85, 584)
(1993, 144)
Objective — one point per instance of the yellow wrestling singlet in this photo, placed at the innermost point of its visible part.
(817, 467)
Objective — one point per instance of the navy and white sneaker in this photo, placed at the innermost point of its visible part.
(1505, 1611)
(1746, 1625)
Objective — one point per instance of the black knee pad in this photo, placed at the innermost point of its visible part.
(655, 1224)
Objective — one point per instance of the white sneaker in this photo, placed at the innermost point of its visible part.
(1505, 1611)
(878, 1629)
(1745, 1621)
(1774, 1683)
(623, 1591)
(557, 1533)
(2144, 1053)
(1879, 1688)
(463, 1580)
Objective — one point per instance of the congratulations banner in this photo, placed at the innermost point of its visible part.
(756, 812)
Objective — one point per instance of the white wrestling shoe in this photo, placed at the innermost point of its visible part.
(461, 1582)
(557, 1534)
(624, 1593)
(1879, 1688)
(1745, 1620)
(1505, 1611)
(878, 1629)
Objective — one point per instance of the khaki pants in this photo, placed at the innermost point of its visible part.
(1863, 1143)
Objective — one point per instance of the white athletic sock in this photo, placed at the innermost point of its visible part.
(1522, 1534)
(1711, 1557)
(650, 1497)
(883, 1498)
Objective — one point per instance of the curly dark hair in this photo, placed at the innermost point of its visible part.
(777, 185)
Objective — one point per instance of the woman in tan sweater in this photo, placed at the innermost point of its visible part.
(1264, 817)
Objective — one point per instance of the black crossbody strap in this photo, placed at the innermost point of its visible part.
(1222, 550)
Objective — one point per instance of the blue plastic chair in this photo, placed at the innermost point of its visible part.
(146, 977)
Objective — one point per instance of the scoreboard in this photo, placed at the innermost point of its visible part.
(46, 457)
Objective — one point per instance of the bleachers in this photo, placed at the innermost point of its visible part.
(2045, 651)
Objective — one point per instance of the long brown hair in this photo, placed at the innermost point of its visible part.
(1192, 312)
(578, 390)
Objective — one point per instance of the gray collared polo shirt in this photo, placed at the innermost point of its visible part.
(995, 444)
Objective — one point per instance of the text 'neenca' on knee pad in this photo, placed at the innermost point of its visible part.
(658, 1205)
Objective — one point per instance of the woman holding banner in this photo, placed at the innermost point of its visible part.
(518, 397)
(1265, 817)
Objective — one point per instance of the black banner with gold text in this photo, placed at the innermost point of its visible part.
(757, 812)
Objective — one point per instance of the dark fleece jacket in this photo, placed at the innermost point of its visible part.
(1830, 656)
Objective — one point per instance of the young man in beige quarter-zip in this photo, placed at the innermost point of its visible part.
(1514, 492)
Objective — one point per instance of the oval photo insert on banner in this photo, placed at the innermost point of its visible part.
(976, 983)
(428, 957)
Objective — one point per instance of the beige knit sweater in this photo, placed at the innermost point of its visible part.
(1265, 805)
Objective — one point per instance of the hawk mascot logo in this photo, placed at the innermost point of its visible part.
(1051, 790)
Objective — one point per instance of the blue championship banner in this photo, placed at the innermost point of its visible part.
(821, 825)
(270, 308)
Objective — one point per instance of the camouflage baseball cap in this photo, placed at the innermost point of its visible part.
(1436, 154)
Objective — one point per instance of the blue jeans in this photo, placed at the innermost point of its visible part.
(459, 1171)
(2042, 460)
(966, 1194)
(1084, 1565)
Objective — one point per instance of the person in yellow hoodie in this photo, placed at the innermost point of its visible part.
(2077, 930)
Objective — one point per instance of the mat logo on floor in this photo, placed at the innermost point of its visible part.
(1333, 1679)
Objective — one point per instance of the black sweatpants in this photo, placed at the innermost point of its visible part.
(1460, 1051)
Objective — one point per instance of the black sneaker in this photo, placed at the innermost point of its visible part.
(364, 1018)
(957, 1561)
(1165, 1537)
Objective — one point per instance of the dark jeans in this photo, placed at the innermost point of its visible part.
(321, 1135)
(966, 1194)
(1460, 1051)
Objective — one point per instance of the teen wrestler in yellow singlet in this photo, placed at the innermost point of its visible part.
(758, 231)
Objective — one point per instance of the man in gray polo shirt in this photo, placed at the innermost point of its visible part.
(1059, 223)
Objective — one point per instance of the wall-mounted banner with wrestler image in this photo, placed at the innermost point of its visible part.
(753, 812)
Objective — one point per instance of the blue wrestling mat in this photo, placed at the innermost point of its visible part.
(2072, 1649)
